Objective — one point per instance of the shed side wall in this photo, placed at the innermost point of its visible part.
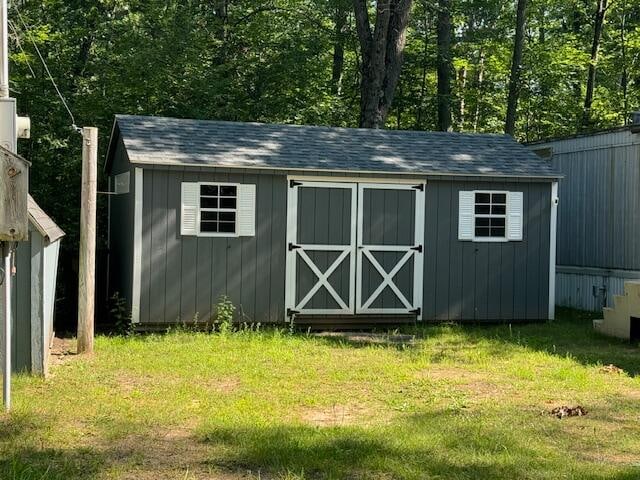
(183, 277)
(121, 230)
(21, 310)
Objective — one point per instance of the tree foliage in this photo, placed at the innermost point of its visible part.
(301, 61)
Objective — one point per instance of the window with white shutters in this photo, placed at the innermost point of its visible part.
(218, 209)
(490, 216)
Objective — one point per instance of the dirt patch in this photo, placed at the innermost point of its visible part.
(369, 338)
(611, 368)
(165, 454)
(472, 384)
(62, 350)
(335, 415)
(222, 385)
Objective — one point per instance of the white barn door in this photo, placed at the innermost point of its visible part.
(390, 250)
(321, 240)
(354, 248)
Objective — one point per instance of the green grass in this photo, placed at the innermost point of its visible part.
(461, 403)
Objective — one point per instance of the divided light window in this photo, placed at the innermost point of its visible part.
(490, 214)
(218, 208)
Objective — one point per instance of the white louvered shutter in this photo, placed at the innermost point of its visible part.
(189, 211)
(514, 215)
(246, 220)
(466, 205)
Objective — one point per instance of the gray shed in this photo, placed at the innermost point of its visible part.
(599, 216)
(33, 291)
(325, 225)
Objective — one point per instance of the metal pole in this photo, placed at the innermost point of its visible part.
(4, 50)
(6, 251)
(87, 270)
(6, 365)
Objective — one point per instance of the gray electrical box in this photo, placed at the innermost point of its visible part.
(8, 126)
(14, 189)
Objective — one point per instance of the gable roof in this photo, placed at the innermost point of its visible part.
(43, 223)
(170, 141)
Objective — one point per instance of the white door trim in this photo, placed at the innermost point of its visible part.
(415, 251)
(299, 251)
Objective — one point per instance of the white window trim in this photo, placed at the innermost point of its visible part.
(235, 210)
(506, 218)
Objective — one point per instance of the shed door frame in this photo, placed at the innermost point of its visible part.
(297, 252)
(355, 253)
(413, 253)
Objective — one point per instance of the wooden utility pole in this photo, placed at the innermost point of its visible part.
(87, 279)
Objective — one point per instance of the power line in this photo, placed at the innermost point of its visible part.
(17, 34)
(46, 67)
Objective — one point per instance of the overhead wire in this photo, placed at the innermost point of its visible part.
(16, 32)
(46, 67)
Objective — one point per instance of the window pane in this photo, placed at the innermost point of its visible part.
(204, 216)
(482, 231)
(482, 222)
(209, 190)
(499, 198)
(227, 190)
(497, 222)
(227, 227)
(227, 203)
(209, 226)
(497, 231)
(498, 209)
(206, 202)
(483, 209)
(227, 216)
(483, 197)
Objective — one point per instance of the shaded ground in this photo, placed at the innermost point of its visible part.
(446, 402)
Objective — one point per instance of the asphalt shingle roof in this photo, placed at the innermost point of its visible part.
(43, 223)
(170, 141)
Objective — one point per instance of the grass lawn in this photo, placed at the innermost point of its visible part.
(459, 403)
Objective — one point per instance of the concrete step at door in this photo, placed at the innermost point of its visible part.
(621, 302)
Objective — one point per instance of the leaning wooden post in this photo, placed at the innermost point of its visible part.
(87, 265)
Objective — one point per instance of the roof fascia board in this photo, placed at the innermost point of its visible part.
(169, 163)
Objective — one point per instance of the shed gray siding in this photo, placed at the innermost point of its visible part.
(121, 212)
(599, 209)
(32, 297)
(183, 277)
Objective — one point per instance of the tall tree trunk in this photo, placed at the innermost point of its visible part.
(598, 24)
(444, 66)
(382, 50)
(462, 81)
(516, 64)
(624, 77)
(340, 24)
(479, 87)
(425, 63)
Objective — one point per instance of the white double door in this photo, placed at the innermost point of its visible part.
(354, 248)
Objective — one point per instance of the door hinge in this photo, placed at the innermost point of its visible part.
(293, 183)
(291, 312)
(417, 248)
(416, 311)
(293, 246)
(419, 187)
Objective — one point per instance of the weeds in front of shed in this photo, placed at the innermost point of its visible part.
(120, 315)
(225, 310)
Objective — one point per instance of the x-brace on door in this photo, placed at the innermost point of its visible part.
(354, 248)
(321, 240)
